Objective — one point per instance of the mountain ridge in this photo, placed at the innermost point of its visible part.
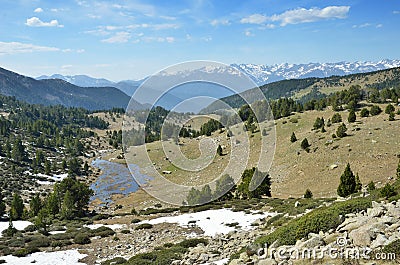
(57, 91)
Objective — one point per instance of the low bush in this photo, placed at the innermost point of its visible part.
(322, 219)
(60, 243)
(102, 231)
(114, 261)
(82, 239)
(135, 221)
(144, 226)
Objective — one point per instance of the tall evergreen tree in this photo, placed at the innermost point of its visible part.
(2, 205)
(352, 116)
(347, 184)
(67, 208)
(341, 130)
(17, 207)
(293, 138)
(18, 151)
(35, 205)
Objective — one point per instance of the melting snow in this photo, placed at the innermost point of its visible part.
(213, 222)
(67, 257)
(19, 225)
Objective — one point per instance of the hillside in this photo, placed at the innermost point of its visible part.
(309, 88)
(56, 91)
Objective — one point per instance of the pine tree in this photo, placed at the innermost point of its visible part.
(358, 184)
(219, 150)
(47, 167)
(18, 151)
(347, 184)
(67, 208)
(17, 207)
(304, 144)
(398, 170)
(2, 205)
(341, 130)
(35, 205)
(52, 203)
(43, 219)
(352, 116)
(293, 138)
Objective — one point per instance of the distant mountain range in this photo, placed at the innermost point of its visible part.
(263, 74)
(259, 73)
(57, 91)
(99, 93)
(126, 86)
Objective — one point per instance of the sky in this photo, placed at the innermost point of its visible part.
(131, 39)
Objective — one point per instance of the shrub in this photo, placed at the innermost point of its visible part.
(60, 243)
(116, 260)
(391, 116)
(321, 219)
(40, 242)
(371, 186)
(393, 247)
(375, 110)
(336, 118)
(125, 231)
(189, 243)
(22, 252)
(389, 109)
(144, 226)
(388, 191)
(82, 239)
(364, 112)
(308, 194)
(102, 231)
(135, 221)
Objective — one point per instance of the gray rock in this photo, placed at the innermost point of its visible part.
(380, 241)
(376, 211)
(361, 237)
(267, 262)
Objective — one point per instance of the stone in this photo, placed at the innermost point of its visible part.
(361, 237)
(267, 262)
(375, 212)
(380, 241)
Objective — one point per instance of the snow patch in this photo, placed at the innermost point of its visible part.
(213, 222)
(19, 225)
(113, 227)
(70, 257)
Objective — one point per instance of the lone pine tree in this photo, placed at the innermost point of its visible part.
(347, 184)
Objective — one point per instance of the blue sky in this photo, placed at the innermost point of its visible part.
(129, 39)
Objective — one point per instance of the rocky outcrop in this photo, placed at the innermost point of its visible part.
(372, 229)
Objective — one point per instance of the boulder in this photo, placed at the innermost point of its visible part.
(380, 241)
(361, 236)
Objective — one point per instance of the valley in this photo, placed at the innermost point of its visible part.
(67, 189)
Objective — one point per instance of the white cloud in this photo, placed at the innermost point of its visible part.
(248, 33)
(38, 10)
(36, 22)
(93, 16)
(119, 37)
(7, 48)
(254, 19)
(170, 39)
(73, 50)
(396, 12)
(367, 25)
(217, 22)
(302, 15)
